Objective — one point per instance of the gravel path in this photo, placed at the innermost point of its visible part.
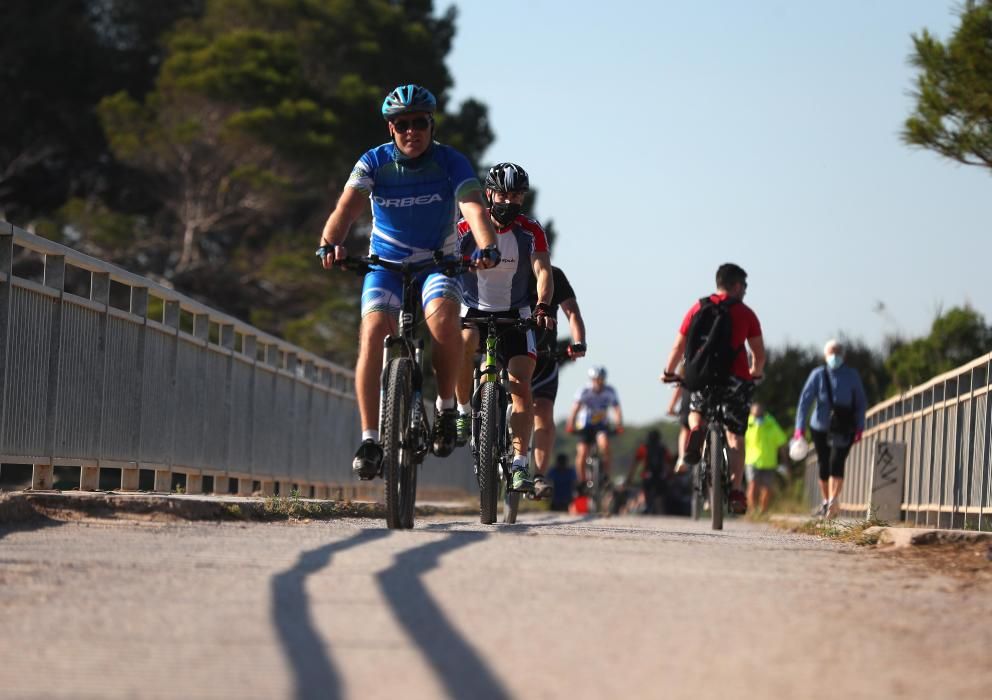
(555, 607)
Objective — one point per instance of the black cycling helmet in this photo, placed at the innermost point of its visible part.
(408, 98)
(507, 177)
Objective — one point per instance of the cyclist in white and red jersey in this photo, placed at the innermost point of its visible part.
(591, 415)
(503, 290)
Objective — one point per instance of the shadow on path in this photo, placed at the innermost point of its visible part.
(37, 523)
(313, 671)
(456, 663)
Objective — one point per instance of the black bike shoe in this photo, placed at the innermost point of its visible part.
(445, 431)
(368, 460)
(542, 487)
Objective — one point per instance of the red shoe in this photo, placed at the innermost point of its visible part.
(738, 502)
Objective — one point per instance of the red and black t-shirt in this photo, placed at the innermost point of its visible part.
(745, 325)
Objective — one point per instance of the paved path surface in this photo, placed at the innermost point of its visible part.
(552, 608)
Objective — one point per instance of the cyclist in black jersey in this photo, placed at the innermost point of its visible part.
(544, 384)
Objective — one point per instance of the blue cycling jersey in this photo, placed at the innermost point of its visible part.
(414, 201)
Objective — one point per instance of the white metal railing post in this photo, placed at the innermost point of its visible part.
(171, 313)
(54, 279)
(89, 477)
(226, 339)
(6, 285)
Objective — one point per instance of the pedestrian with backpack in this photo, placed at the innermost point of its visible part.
(835, 393)
(713, 342)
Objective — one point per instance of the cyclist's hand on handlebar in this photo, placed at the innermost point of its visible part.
(543, 317)
(330, 253)
(576, 350)
(670, 377)
(757, 378)
(488, 257)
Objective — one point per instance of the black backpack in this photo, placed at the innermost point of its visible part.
(709, 352)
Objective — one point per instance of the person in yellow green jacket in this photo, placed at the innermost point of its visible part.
(764, 450)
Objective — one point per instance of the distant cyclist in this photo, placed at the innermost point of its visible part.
(655, 463)
(591, 417)
(415, 185)
(502, 290)
(544, 384)
(711, 341)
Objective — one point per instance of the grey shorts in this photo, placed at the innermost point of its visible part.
(764, 478)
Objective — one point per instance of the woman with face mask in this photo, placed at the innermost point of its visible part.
(837, 420)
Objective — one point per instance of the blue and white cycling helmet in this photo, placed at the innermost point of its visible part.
(408, 98)
(597, 372)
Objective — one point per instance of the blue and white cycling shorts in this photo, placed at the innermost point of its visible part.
(383, 290)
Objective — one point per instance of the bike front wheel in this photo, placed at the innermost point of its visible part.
(396, 459)
(698, 491)
(488, 467)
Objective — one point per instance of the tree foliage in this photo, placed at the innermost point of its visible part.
(57, 60)
(203, 142)
(955, 338)
(953, 113)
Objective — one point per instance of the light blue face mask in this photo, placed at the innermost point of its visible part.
(834, 361)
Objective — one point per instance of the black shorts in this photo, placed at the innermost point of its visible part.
(829, 457)
(589, 433)
(544, 384)
(512, 341)
(733, 401)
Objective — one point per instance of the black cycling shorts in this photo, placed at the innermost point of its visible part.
(544, 384)
(589, 433)
(512, 341)
(734, 402)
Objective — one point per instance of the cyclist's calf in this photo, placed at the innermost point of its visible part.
(444, 323)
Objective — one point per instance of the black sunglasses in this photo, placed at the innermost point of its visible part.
(417, 124)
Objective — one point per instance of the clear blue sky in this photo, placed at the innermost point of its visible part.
(667, 138)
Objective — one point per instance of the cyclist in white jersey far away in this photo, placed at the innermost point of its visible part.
(415, 185)
(590, 415)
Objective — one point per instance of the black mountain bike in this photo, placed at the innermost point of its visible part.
(492, 440)
(711, 477)
(404, 427)
(598, 485)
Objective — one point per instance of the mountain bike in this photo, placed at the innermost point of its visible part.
(707, 490)
(711, 477)
(492, 439)
(404, 427)
(598, 485)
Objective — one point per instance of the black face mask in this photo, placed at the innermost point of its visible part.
(505, 212)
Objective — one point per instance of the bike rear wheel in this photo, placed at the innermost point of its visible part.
(717, 469)
(488, 467)
(396, 460)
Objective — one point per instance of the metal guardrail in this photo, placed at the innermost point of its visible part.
(946, 428)
(166, 384)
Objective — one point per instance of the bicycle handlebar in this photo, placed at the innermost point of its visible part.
(483, 321)
(450, 265)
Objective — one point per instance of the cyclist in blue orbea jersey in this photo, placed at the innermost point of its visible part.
(416, 186)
